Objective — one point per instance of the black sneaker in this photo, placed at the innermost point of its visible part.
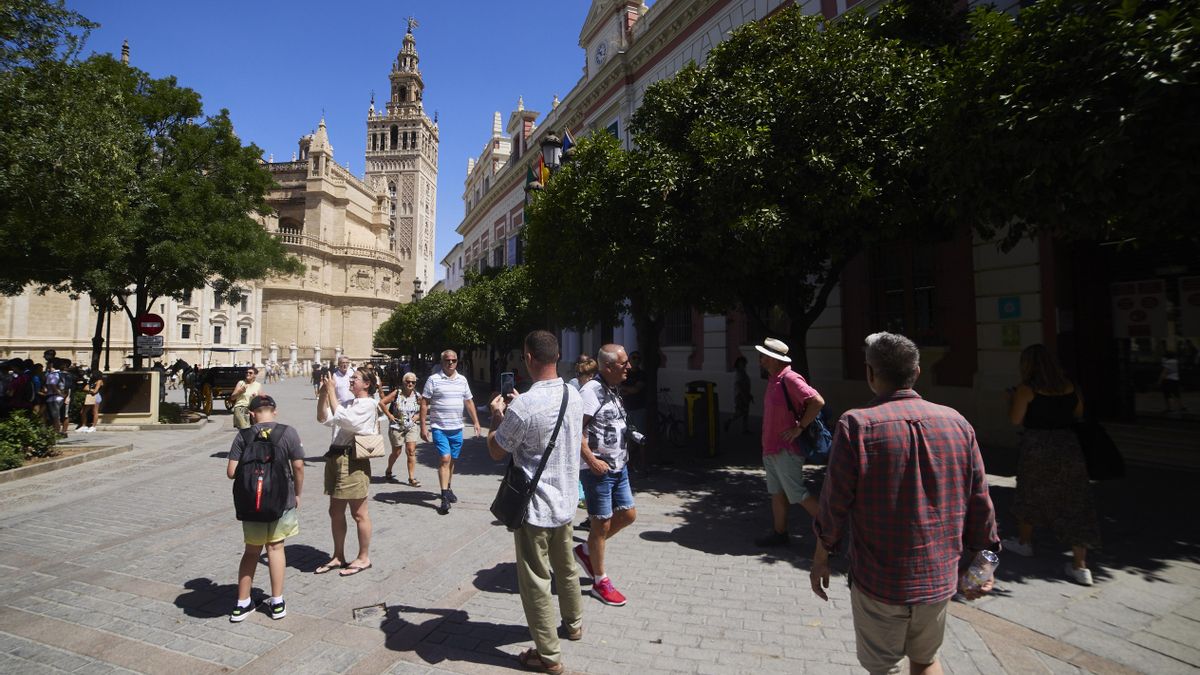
(772, 540)
(445, 507)
(239, 614)
(449, 495)
(277, 610)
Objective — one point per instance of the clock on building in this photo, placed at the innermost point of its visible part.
(601, 54)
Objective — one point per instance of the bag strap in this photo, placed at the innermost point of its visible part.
(787, 398)
(562, 412)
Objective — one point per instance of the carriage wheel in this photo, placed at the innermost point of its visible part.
(206, 398)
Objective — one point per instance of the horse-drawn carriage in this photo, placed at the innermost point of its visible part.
(206, 384)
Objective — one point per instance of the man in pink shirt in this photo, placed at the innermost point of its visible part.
(782, 459)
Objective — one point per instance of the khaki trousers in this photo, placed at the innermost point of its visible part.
(540, 552)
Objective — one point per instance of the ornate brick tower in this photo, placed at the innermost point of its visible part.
(401, 161)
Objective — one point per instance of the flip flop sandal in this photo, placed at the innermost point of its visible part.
(530, 660)
(414, 482)
(391, 478)
(329, 567)
(351, 570)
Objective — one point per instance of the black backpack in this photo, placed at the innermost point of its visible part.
(260, 482)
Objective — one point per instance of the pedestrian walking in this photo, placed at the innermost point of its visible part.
(906, 485)
(341, 380)
(245, 390)
(447, 394)
(403, 408)
(605, 470)
(286, 442)
(789, 406)
(1052, 480)
(742, 398)
(347, 480)
(523, 428)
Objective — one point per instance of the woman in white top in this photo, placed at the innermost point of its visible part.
(347, 479)
(403, 408)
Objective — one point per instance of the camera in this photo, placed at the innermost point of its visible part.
(634, 436)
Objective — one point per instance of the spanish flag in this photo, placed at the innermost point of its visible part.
(543, 171)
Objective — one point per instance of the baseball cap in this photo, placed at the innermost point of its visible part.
(260, 401)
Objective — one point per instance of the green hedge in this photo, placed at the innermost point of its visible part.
(23, 438)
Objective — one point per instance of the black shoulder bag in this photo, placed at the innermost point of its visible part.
(516, 490)
(816, 440)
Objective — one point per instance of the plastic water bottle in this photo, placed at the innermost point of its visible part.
(981, 570)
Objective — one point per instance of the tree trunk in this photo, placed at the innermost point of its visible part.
(803, 317)
(142, 304)
(102, 309)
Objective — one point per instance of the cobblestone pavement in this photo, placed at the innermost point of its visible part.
(129, 563)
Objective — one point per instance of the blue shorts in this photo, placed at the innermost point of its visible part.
(607, 493)
(448, 442)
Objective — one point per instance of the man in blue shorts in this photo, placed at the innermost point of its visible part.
(446, 395)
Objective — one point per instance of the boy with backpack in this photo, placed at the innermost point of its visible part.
(266, 463)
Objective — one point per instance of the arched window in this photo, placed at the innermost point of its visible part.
(395, 137)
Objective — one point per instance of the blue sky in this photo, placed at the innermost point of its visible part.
(277, 65)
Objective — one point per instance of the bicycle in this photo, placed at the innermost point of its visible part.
(670, 428)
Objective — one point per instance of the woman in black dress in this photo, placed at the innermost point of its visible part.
(1052, 481)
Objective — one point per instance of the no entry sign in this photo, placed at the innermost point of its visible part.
(149, 324)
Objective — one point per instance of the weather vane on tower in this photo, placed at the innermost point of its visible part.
(412, 23)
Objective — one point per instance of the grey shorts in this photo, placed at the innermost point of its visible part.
(785, 473)
(400, 438)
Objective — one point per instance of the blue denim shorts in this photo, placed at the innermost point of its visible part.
(607, 493)
(448, 442)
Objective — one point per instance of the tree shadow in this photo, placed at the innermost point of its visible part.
(725, 510)
(450, 635)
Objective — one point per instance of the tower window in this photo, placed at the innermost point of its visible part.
(403, 93)
(395, 137)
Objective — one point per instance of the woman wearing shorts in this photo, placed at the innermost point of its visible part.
(402, 408)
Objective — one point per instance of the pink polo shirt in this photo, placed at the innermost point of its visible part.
(777, 418)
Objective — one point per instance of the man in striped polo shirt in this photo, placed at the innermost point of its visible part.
(443, 400)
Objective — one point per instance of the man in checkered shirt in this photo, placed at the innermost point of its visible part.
(906, 482)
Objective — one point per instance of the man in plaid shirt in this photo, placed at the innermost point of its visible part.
(906, 478)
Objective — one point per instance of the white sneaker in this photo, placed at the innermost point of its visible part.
(1015, 546)
(88, 430)
(1081, 576)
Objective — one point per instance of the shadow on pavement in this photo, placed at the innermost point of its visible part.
(411, 496)
(500, 578)
(205, 599)
(450, 635)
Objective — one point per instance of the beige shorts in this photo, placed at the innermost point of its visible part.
(399, 438)
(241, 417)
(347, 478)
(260, 534)
(887, 633)
(785, 473)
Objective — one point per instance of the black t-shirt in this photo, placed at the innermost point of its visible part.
(289, 443)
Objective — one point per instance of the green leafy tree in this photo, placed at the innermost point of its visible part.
(805, 142)
(421, 327)
(1077, 119)
(607, 237)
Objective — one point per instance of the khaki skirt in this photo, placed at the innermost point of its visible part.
(347, 478)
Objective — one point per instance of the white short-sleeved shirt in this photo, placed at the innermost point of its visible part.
(525, 432)
(341, 385)
(358, 418)
(606, 430)
(446, 397)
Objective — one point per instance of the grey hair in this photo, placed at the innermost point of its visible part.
(448, 351)
(608, 354)
(895, 359)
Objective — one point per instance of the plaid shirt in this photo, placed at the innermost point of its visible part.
(907, 477)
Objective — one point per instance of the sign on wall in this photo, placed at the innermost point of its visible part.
(1140, 309)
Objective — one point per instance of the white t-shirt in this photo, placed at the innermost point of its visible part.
(606, 430)
(341, 385)
(525, 432)
(358, 418)
(1170, 369)
(446, 397)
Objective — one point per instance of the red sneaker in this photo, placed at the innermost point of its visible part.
(585, 561)
(604, 592)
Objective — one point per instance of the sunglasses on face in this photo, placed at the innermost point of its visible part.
(449, 360)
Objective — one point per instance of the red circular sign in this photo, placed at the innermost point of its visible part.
(150, 324)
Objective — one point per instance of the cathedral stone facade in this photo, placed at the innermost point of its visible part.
(366, 243)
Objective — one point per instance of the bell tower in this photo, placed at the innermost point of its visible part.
(401, 161)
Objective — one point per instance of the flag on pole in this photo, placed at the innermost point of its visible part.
(567, 141)
(529, 177)
(543, 170)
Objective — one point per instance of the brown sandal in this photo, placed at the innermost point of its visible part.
(531, 660)
(414, 482)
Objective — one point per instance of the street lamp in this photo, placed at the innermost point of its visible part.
(552, 151)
